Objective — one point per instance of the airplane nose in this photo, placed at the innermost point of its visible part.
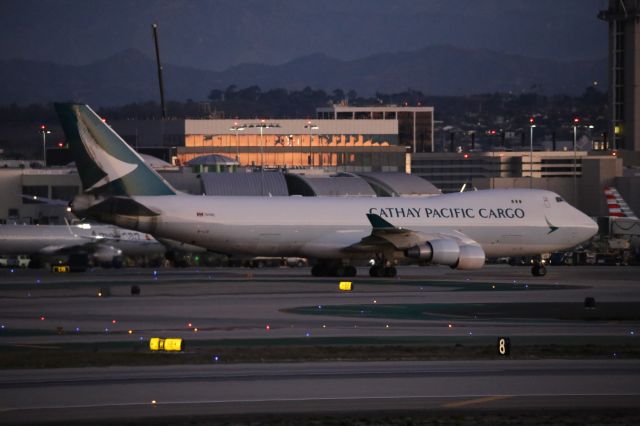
(590, 228)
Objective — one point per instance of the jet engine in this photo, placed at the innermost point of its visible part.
(471, 257)
(448, 252)
(441, 251)
(105, 254)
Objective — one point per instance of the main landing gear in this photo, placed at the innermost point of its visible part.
(383, 271)
(538, 269)
(382, 268)
(333, 269)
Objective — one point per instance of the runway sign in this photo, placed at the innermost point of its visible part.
(504, 346)
(167, 345)
(345, 286)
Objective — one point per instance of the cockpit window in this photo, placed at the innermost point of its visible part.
(559, 199)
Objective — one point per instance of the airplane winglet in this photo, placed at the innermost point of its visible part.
(379, 223)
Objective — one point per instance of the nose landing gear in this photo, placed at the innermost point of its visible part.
(538, 269)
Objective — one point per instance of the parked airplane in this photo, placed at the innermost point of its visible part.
(104, 244)
(616, 205)
(457, 229)
(623, 226)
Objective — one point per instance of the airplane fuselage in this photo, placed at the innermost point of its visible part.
(503, 222)
(52, 239)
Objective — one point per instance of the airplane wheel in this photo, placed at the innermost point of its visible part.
(317, 270)
(538, 271)
(390, 272)
(350, 271)
(338, 272)
(376, 271)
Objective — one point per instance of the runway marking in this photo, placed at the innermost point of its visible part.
(475, 401)
(23, 345)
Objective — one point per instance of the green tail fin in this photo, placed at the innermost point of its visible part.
(106, 164)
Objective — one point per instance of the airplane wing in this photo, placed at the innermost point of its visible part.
(384, 233)
(448, 247)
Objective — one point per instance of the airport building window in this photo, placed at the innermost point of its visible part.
(64, 192)
(33, 192)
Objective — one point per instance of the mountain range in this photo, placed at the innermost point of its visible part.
(130, 76)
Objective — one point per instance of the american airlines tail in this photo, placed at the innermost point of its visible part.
(616, 204)
(106, 164)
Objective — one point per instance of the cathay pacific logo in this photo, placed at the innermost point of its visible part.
(551, 227)
(114, 168)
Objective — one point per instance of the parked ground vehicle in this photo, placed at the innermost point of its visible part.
(20, 261)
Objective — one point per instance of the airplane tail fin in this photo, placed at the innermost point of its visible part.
(616, 204)
(106, 164)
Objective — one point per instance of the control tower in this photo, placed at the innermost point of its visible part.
(623, 17)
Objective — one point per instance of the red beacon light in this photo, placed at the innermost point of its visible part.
(532, 120)
(576, 121)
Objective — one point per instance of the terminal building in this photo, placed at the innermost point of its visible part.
(623, 17)
(330, 144)
(415, 124)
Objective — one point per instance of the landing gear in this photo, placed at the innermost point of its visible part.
(538, 269)
(382, 268)
(333, 269)
(383, 271)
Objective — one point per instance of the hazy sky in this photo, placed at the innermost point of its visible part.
(216, 34)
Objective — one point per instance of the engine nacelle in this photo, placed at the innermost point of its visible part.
(441, 252)
(445, 252)
(471, 257)
(106, 254)
(422, 252)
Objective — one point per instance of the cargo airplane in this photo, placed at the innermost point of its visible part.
(458, 230)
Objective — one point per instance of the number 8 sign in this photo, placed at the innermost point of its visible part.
(504, 346)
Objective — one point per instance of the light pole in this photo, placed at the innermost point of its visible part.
(311, 127)
(532, 124)
(45, 132)
(237, 128)
(263, 125)
(576, 122)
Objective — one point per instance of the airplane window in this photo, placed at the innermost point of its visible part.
(559, 199)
